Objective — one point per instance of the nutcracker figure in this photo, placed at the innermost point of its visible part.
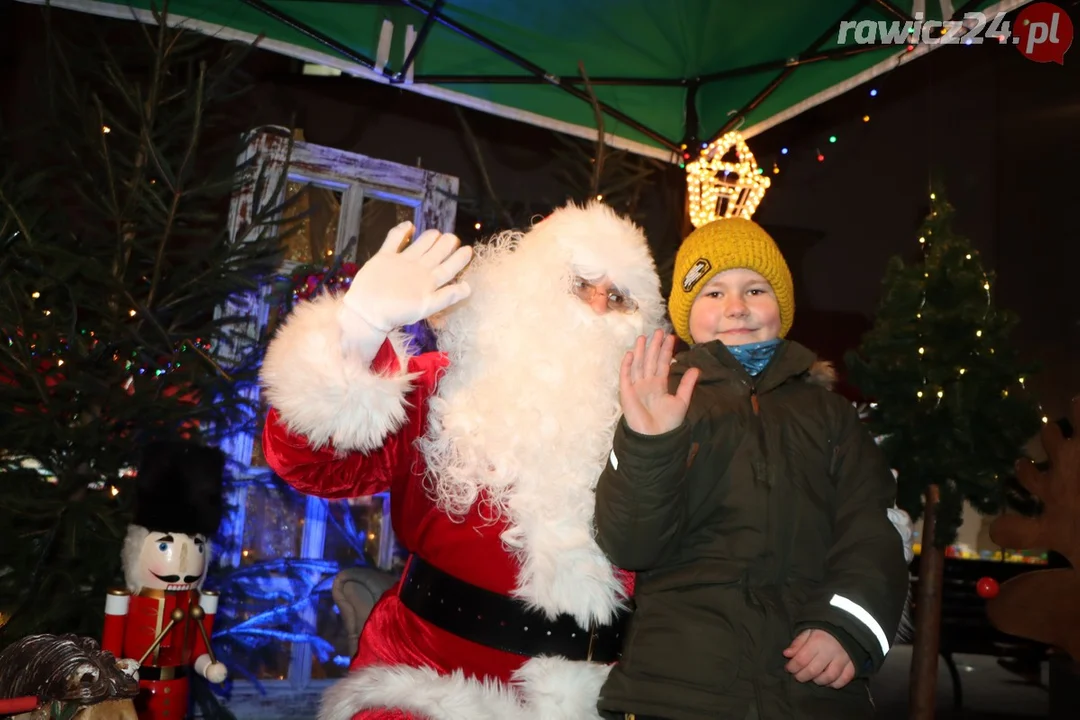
(163, 619)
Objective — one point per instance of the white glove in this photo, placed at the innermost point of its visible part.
(129, 666)
(902, 522)
(214, 672)
(398, 288)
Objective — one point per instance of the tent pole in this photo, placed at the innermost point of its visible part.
(399, 76)
(534, 80)
(540, 72)
(311, 32)
(894, 11)
(738, 117)
(834, 54)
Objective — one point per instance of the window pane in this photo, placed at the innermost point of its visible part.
(314, 238)
(359, 540)
(377, 217)
(273, 530)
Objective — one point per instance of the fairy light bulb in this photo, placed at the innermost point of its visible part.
(962, 371)
(35, 294)
(919, 393)
(922, 240)
(986, 286)
(978, 333)
(922, 351)
(940, 394)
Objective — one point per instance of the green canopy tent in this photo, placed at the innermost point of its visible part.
(667, 75)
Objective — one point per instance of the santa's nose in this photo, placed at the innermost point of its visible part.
(599, 303)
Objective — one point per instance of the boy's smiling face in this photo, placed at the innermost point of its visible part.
(737, 307)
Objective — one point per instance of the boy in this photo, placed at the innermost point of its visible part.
(752, 504)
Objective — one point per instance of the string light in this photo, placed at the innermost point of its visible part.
(35, 295)
(831, 138)
(105, 129)
(718, 188)
(476, 226)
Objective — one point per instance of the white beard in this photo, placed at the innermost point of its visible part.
(524, 418)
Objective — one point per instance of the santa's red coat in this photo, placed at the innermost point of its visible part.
(470, 549)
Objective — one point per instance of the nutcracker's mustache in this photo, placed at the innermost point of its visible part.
(175, 578)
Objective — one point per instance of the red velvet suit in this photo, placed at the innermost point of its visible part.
(130, 635)
(471, 550)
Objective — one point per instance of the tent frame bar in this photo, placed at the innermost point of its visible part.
(432, 14)
(319, 37)
(537, 74)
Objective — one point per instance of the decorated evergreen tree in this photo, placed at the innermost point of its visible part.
(117, 267)
(949, 401)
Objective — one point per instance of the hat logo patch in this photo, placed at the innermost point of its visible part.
(694, 274)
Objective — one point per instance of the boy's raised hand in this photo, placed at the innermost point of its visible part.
(648, 407)
(816, 655)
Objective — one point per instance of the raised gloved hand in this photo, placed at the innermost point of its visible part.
(401, 286)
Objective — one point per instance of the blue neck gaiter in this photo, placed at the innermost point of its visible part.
(754, 356)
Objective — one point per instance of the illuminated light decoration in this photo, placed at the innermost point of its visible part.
(718, 187)
(873, 93)
(866, 118)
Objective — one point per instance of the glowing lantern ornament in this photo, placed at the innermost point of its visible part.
(725, 181)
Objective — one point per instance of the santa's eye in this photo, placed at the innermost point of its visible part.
(163, 547)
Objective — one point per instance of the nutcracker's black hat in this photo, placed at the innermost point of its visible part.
(179, 488)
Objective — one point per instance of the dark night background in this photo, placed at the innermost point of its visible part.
(999, 129)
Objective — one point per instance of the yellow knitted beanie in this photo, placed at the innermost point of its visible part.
(723, 245)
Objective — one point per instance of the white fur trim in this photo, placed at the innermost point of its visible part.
(325, 393)
(129, 555)
(542, 689)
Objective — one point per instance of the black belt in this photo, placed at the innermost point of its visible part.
(502, 622)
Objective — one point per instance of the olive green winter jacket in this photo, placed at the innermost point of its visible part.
(764, 514)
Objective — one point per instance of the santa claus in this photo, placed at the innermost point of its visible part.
(490, 449)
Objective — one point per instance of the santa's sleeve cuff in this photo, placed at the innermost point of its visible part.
(322, 382)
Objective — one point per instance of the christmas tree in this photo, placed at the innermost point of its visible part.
(947, 387)
(117, 269)
(949, 403)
